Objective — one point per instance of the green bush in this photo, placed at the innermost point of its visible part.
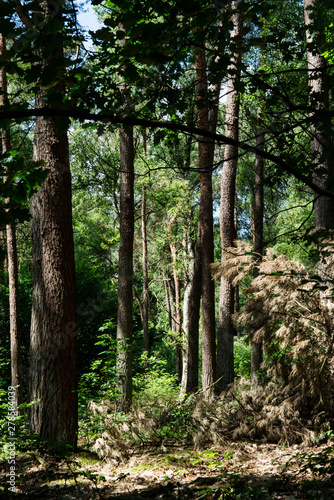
(242, 358)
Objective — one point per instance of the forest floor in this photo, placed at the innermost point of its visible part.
(239, 470)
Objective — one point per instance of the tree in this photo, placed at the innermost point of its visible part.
(258, 206)
(15, 343)
(53, 348)
(320, 130)
(225, 368)
(205, 222)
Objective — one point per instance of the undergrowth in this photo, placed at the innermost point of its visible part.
(163, 419)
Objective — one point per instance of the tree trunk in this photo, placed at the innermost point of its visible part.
(190, 382)
(321, 143)
(53, 358)
(177, 321)
(125, 269)
(188, 265)
(257, 356)
(205, 159)
(145, 273)
(225, 364)
(53, 344)
(167, 297)
(13, 284)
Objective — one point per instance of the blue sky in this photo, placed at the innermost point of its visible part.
(88, 18)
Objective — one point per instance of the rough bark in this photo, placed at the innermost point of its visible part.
(145, 272)
(53, 358)
(190, 383)
(321, 141)
(15, 343)
(257, 356)
(225, 367)
(205, 160)
(53, 374)
(125, 269)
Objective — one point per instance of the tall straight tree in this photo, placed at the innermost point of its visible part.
(177, 303)
(125, 269)
(53, 343)
(125, 260)
(258, 236)
(144, 260)
(13, 282)
(225, 367)
(205, 161)
(321, 140)
(191, 323)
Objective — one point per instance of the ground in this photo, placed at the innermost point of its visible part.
(236, 471)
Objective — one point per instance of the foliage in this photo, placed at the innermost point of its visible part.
(295, 307)
(242, 357)
(320, 463)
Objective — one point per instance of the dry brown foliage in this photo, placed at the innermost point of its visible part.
(295, 308)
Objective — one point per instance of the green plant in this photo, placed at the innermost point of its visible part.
(242, 357)
(320, 464)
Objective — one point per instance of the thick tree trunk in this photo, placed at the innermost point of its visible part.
(125, 269)
(257, 356)
(225, 364)
(13, 284)
(53, 348)
(53, 345)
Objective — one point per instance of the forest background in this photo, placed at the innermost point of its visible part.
(188, 142)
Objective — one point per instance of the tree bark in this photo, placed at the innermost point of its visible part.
(205, 160)
(13, 283)
(257, 355)
(167, 297)
(144, 261)
(53, 345)
(225, 364)
(178, 316)
(145, 272)
(190, 381)
(321, 140)
(125, 269)
(188, 265)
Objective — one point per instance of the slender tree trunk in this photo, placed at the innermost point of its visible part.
(167, 296)
(225, 364)
(144, 265)
(177, 289)
(125, 269)
(321, 140)
(125, 258)
(257, 356)
(205, 159)
(190, 382)
(236, 288)
(15, 344)
(188, 264)
(145, 272)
